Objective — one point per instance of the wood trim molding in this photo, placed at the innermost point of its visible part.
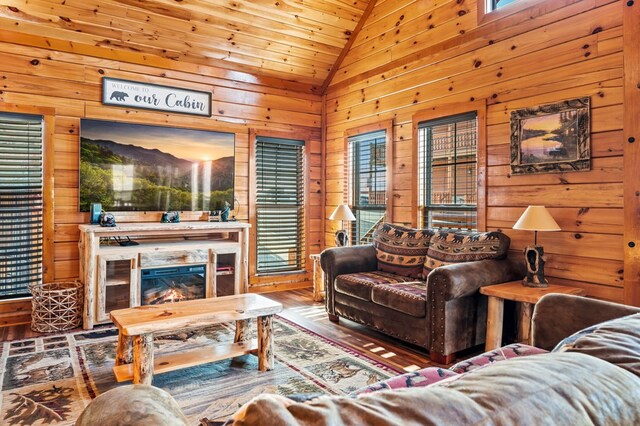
(387, 126)
(631, 140)
(301, 134)
(520, 5)
(48, 115)
(347, 46)
(480, 106)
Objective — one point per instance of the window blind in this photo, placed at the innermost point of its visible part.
(21, 207)
(447, 158)
(367, 183)
(279, 205)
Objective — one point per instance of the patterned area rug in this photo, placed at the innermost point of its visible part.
(49, 380)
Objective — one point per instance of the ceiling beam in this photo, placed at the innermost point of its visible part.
(347, 47)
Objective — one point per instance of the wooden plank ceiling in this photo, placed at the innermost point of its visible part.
(292, 40)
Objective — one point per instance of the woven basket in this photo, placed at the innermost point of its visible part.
(56, 306)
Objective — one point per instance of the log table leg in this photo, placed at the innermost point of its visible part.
(143, 359)
(494, 323)
(242, 331)
(265, 343)
(525, 311)
(124, 353)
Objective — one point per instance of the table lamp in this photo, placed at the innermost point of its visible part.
(535, 218)
(342, 213)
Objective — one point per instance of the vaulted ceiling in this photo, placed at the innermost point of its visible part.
(296, 40)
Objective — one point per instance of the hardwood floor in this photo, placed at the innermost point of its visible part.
(300, 308)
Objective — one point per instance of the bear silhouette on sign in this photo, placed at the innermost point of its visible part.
(120, 96)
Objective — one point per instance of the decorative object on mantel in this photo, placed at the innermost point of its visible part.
(535, 218)
(551, 138)
(107, 219)
(126, 93)
(342, 213)
(170, 217)
(94, 215)
(56, 306)
(224, 214)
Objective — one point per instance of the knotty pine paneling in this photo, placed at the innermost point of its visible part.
(412, 55)
(71, 83)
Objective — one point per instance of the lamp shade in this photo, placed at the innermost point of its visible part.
(342, 212)
(536, 218)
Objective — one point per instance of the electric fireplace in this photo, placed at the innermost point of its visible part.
(166, 285)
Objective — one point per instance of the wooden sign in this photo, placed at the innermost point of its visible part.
(134, 94)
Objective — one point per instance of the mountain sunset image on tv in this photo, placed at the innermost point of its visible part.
(135, 167)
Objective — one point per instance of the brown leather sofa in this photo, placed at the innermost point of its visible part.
(444, 315)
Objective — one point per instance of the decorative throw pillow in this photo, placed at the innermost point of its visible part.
(448, 247)
(401, 250)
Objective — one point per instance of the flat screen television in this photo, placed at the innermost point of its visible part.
(135, 167)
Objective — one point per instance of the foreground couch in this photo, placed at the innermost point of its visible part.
(420, 286)
(593, 379)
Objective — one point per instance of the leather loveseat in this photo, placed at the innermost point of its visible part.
(420, 286)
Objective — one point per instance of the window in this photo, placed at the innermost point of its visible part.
(21, 205)
(279, 205)
(497, 4)
(367, 183)
(447, 159)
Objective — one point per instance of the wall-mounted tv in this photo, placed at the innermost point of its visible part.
(135, 167)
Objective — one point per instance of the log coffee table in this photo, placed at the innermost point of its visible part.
(136, 326)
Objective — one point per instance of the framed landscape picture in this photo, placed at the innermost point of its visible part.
(551, 138)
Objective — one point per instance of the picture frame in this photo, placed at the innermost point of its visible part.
(551, 138)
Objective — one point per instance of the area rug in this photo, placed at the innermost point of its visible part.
(49, 380)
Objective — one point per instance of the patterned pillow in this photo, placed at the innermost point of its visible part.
(401, 250)
(448, 247)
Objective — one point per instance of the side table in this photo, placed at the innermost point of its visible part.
(318, 278)
(527, 298)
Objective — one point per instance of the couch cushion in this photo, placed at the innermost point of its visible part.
(401, 250)
(446, 248)
(616, 341)
(360, 284)
(424, 377)
(506, 352)
(410, 297)
(551, 389)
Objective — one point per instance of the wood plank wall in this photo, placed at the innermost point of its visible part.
(412, 55)
(70, 83)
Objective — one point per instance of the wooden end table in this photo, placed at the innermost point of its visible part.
(136, 326)
(527, 298)
(318, 278)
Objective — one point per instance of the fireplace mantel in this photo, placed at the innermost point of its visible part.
(159, 245)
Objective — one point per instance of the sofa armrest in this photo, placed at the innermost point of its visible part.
(345, 260)
(557, 316)
(463, 279)
(348, 260)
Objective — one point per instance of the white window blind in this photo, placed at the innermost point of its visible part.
(367, 183)
(21, 206)
(447, 159)
(279, 205)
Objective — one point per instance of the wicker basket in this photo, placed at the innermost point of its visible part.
(56, 306)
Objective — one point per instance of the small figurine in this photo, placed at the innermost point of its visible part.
(107, 219)
(224, 214)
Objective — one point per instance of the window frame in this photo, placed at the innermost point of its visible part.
(387, 127)
(264, 278)
(486, 16)
(48, 118)
(443, 111)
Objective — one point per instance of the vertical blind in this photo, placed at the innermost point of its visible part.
(279, 205)
(447, 158)
(367, 183)
(21, 206)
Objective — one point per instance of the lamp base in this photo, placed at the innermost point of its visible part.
(342, 238)
(534, 258)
